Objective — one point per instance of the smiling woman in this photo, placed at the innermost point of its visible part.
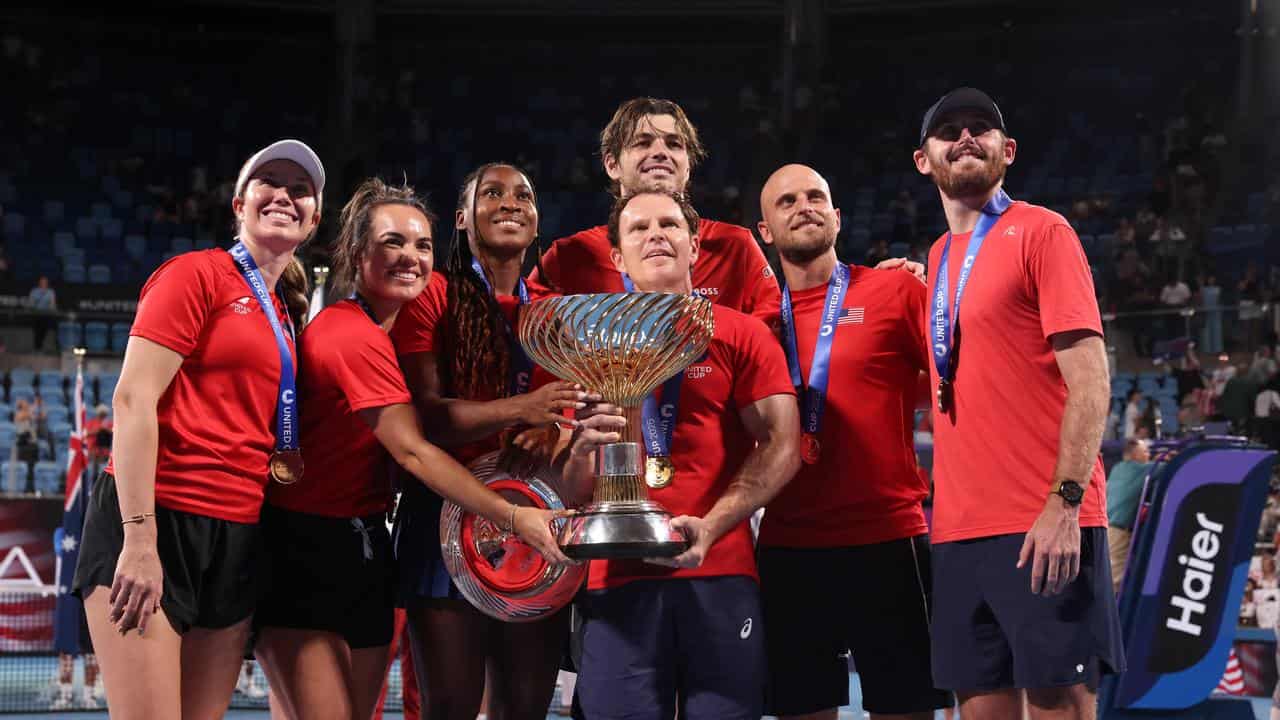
(203, 408)
(327, 656)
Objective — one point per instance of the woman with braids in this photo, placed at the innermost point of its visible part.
(204, 407)
(472, 383)
(326, 612)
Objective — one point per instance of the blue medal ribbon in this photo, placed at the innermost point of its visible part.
(521, 365)
(286, 406)
(658, 419)
(814, 394)
(947, 320)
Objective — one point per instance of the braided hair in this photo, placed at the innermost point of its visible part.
(475, 339)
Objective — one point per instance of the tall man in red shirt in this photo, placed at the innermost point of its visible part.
(688, 631)
(854, 340)
(1018, 363)
(651, 145)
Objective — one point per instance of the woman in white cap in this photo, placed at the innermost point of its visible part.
(205, 414)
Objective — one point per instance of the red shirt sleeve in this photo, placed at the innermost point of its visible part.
(916, 301)
(547, 271)
(176, 301)
(1059, 277)
(760, 367)
(416, 327)
(363, 366)
(763, 296)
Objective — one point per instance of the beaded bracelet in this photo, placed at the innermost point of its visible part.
(137, 518)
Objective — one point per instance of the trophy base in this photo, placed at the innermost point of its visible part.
(617, 531)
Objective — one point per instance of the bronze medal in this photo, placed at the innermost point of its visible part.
(944, 396)
(658, 471)
(286, 466)
(810, 449)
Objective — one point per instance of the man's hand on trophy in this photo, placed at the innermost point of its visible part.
(599, 423)
(700, 540)
(546, 405)
(533, 525)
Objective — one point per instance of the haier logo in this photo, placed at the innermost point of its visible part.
(1195, 577)
(1187, 608)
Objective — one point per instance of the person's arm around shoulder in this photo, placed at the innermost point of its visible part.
(398, 430)
(1052, 545)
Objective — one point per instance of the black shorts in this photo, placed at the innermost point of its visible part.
(990, 632)
(210, 565)
(871, 601)
(330, 574)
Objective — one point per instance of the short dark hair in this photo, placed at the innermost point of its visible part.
(681, 201)
(629, 114)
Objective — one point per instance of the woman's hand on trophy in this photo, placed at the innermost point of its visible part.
(533, 525)
(599, 423)
(546, 405)
(700, 540)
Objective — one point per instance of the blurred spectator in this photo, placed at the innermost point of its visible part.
(1266, 414)
(1248, 298)
(1173, 296)
(1264, 365)
(44, 307)
(1236, 403)
(4, 267)
(1132, 414)
(1188, 373)
(98, 432)
(1210, 304)
(1168, 246)
(904, 212)
(1124, 488)
(24, 422)
(1124, 238)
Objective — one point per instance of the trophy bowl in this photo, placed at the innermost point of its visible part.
(622, 346)
(495, 570)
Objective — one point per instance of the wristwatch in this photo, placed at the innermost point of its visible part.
(1070, 491)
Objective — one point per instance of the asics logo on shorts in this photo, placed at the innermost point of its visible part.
(746, 630)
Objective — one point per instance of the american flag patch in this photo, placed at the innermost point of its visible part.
(850, 316)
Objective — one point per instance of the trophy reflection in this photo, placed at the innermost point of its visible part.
(622, 346)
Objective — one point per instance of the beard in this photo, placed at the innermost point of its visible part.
(970, 182)
(802, 249)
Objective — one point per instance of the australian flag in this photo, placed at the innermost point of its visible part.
(68, 617)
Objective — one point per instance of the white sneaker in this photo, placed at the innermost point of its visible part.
(63, 699)
(87, 700)
(99, 690)
(255, 689)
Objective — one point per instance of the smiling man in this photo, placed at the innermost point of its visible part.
(650, 144)
(1020, 370)
(854, 339)
(686, 635)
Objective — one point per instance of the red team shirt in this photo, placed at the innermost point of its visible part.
(420, 328)
(217, 417)
(744, 364)
(994, 457)
(866, 487)
(348, 364)
(730, 270)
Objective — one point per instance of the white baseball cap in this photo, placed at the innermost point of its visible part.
(294, 150)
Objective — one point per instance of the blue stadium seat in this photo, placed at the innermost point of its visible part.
(107, 386)
(55, 211)
(15, 225)
(96, 338)
(74, 273)
(100, 211)
(21, 392)
(56, 414)
(48, 478)
(8, 435)
(70, 334)
(51, 378)
(61, 432)
(122, 200)
(86, 230)
(135, 246)
(112, 229)
(22, 376)
(99, 275)
(120, 336)
(6, 412)
(17, 469)
(51, 395)
(181, 245)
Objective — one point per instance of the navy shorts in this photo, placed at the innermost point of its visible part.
(820, 608)
(649, 642)
(990, 632)
(344, 570)
(415, 538)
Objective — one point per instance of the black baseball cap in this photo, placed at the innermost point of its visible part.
(965, 98)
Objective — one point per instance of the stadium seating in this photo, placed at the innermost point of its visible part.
(48, 477)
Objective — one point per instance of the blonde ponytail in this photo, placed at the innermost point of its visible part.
(295, 290)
